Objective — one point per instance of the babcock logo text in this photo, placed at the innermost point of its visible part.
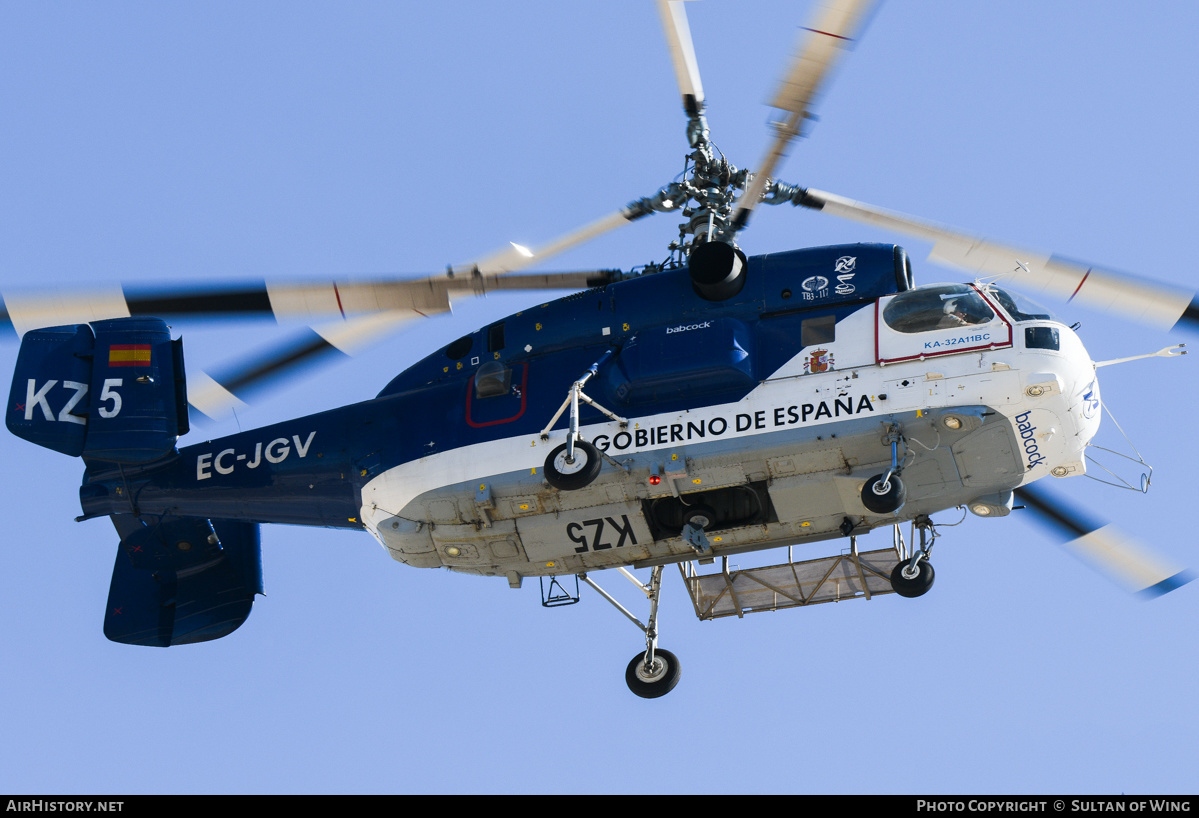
(688, 327)
(1032, 451)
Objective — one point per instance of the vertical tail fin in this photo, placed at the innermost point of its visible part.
(112, 390)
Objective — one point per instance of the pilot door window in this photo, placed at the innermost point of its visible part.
(493, 379)
(953, 306)
(498, 394)
(944, 319)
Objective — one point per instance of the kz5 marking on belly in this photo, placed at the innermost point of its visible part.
(226, 460)
(624, 528)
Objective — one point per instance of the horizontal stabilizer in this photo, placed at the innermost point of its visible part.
(181, 580)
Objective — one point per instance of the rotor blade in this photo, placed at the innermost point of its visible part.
(682, 55)
(836, 26)
(369, 309)
(24, 311)
(381, 306)
(1153, 303)
(423, 296)
(281, 300)
(516, 257)
(1108, 548)
(217, 395)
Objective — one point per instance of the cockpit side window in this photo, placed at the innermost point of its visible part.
(931, 308)
(1019, 307)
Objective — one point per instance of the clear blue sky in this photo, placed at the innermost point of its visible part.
(198, 142)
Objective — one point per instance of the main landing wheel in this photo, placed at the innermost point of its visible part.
(656, 680)
(570, 476)
(884, 501)
(919, 581)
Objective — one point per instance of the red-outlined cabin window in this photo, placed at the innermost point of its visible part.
(497, 408)
(942, 319)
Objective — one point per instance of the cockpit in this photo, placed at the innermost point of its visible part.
(954, 306)
(945, 306)
(945, 319)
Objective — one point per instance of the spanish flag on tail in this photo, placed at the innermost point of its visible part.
(129, 355)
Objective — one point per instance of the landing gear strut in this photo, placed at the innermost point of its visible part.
(914, 576)
(654, 672)
(885, 493)
(575, 463)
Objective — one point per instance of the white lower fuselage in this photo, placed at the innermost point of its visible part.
(808, 437)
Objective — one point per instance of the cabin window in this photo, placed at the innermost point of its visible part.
(460, 348)
(948, 306)
(817, 331)
(492, 380)
(495, 337)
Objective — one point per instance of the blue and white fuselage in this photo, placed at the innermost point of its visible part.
(771, 407)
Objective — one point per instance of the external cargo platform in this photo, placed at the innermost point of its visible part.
(790, 585)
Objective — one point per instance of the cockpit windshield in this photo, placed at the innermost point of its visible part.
(945, 306)
(1019, 307)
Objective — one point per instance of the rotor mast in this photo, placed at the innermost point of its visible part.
(716, 213)
(708, 189)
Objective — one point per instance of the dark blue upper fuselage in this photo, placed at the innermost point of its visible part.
(675, 351)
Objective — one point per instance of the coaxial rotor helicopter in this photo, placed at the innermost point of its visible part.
(700, 428)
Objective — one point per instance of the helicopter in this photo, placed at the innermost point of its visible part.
(688, 414)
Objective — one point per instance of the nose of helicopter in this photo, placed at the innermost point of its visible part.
(1059, 410)
(1084, 408)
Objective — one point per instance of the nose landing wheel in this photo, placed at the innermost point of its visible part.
(912, 582)
(913, 576)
